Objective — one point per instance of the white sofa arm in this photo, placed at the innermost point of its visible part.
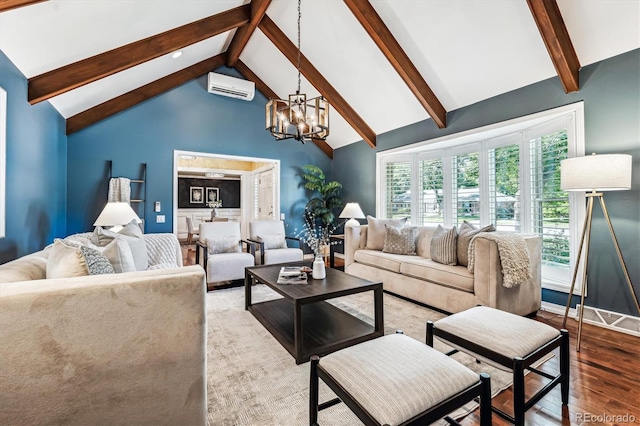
(355, 237)
(522, 299)
(124, 348)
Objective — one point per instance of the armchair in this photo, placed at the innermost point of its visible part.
(269, 237)
(223, 258)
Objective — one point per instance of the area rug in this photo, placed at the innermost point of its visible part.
(253, 380)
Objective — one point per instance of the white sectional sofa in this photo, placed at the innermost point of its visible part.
(448, 288)
(122, 348)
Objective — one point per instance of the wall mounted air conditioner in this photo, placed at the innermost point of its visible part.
(220, 84)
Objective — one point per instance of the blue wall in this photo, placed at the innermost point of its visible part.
(611, 93)
(36, 169)
(185, 118)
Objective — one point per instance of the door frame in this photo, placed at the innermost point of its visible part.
(246, 184)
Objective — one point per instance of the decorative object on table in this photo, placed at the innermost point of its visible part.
(214, 205)
(352, 211)
(298, 117)
(595, 173)
(319, 270)
(317, 236)
(292, 275)
(196, 194)
(116, 215)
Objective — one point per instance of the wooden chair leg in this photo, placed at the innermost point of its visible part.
(564, 366)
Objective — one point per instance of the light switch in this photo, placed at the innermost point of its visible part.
(281, 216)
(160, 218)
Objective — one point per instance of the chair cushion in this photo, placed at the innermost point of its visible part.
(395, 377)
(228, 266)
(502, 332)
(457, 277)
(282, 255)
(376, 232)
(444, 246)
(223, 245)
(273, 241)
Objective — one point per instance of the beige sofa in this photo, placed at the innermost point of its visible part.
(127, 348)
(449, 288)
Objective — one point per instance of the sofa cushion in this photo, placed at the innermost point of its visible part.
(26, 268)
(389, 261)
(444, 246)
(376, 231)
(457, 277)
(400, 240)
(465, 233)
(132, 235)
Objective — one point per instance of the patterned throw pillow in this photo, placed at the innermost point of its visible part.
(465, 234)
(444, 246)
(400, 240)
(223, 245)
(376, 233)
(275, 241)
(97, 263)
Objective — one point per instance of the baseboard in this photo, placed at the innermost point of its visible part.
(615, 321)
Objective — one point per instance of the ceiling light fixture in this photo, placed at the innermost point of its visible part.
(298, 118)
(177, 54)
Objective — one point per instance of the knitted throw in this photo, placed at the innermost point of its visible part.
(514, 257)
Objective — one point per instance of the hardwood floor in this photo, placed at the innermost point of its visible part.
(605, 378)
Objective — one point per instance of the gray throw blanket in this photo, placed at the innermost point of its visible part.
(514, 257)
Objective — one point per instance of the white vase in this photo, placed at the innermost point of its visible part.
(319, 272)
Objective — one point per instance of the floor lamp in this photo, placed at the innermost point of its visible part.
(595, 173)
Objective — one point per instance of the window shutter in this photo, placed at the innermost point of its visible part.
(431, 201)
(397, 192)
(504, 187)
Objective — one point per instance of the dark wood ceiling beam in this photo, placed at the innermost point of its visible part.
(14, 4)
(266, 91)
(391, 49)
(141, 94)
(83, 72)
(290, 51)
(556, 38)
(244, 33)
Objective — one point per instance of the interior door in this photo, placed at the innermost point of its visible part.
(266, 195)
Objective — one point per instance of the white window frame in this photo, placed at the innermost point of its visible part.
(482, 139)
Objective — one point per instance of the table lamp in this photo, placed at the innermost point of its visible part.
(353, 212)
(116, 215)
(595, 173)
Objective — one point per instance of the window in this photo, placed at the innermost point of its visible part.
(506, 174)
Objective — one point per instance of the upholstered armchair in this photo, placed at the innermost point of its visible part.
(271, 243)
(222, 245)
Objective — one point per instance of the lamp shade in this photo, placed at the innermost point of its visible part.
(606, 172)
(116, 214)
(352, 211)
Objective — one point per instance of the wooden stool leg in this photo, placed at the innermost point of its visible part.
(518, 392)
(313, 391)
(485, 400)
(564, 366)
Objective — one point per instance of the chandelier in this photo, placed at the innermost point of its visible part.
(298, 118)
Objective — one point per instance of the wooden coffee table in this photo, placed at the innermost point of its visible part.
(303, 321)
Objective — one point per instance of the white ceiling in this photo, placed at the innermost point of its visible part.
(466, 50)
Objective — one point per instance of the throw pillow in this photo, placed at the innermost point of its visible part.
(133, 235)
(223, 245)
(119, 254)
(400, 240)
(96, 262)
(465, 234)
(65, 261)
(444, 246)
(275, 241)
(376, 232)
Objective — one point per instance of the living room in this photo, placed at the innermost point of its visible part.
(56, 183)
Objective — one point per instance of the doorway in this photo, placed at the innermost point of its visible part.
(248, 187)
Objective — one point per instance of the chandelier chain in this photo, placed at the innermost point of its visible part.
(299, 16)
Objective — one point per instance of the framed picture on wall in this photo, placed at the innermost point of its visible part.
(213, 194)
(197, 194)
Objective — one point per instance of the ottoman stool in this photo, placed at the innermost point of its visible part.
(506, 341)
(396, 380)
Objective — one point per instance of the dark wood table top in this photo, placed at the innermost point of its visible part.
(336, 283)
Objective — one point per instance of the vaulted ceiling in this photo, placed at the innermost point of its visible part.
(382, 64)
